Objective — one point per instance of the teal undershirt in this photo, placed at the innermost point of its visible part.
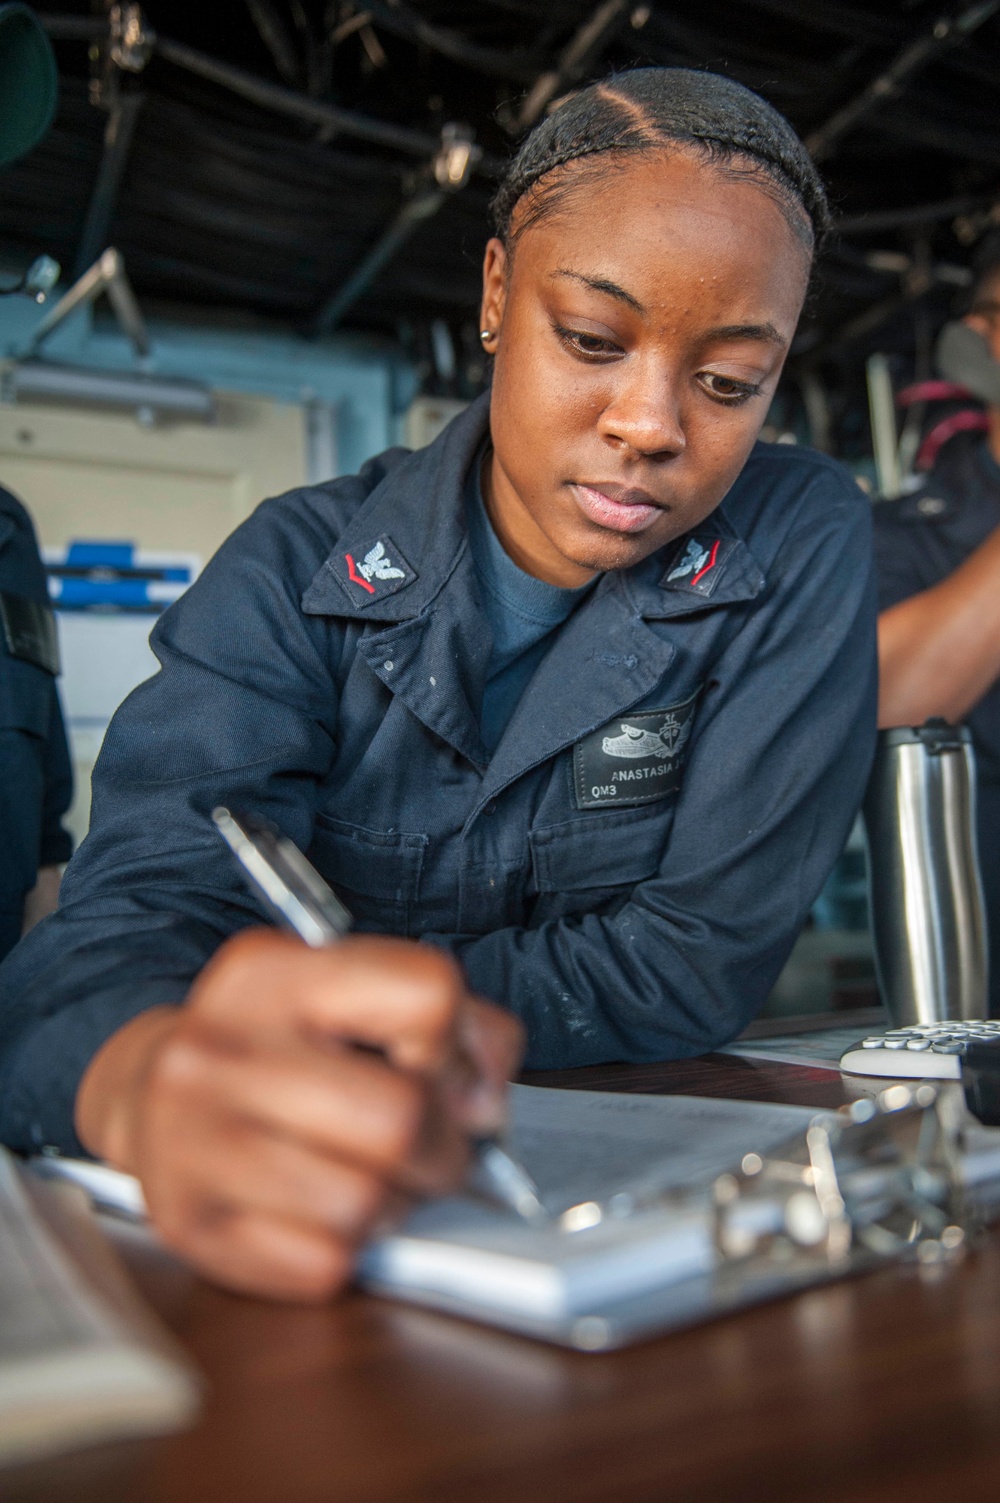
(523, 614)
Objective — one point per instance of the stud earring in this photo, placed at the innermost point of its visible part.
(485, 334)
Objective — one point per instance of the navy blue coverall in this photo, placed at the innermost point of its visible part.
(36, 779)
(920, 540)
(627, 872)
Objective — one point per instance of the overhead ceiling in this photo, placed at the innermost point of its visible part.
(265, 203)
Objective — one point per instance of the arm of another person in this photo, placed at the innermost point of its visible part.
(939, 650)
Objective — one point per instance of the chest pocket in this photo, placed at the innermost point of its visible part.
(377, 872)
(581, 863)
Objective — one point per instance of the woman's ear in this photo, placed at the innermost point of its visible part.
(495, 269)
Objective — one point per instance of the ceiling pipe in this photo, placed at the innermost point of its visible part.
(880, 220)
(276, 97)
(271, 30)
(399, 19)
(118, 135)
(449, 173)
(286, 101)
(947, 32)
(584, 46)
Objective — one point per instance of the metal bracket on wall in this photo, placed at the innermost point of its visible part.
(107, 275)
(147, 395)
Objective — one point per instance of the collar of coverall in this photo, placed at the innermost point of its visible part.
(407, 537)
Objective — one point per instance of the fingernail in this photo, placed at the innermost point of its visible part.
(486, 1106)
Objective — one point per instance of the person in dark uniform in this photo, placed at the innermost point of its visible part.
(582, 696)
(938, 564)
(36, 782)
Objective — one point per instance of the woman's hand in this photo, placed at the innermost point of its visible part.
(296, 1100)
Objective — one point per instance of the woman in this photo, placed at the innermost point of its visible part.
(538, 696)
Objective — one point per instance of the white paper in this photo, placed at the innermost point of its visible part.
(820, 1050)
(586, 1145)
(582, 1145)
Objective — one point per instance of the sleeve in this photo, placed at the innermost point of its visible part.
(897, 566)
(56, 843)
(777, 769)
(241, 710)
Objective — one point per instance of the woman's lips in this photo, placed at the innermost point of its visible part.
(616, 507)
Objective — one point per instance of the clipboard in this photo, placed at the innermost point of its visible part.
(708, 1207)
(906, 1176)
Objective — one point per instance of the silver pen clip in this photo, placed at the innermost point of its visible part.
(290, 885)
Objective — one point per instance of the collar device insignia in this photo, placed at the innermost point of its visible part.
(698, 564)
(373, 571)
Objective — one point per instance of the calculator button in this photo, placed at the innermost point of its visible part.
(871, 1043)
(948, 1048)
(894, 1043)
(918, 1044)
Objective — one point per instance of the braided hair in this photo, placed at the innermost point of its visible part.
(647, 109)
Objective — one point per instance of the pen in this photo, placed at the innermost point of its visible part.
(301, 901)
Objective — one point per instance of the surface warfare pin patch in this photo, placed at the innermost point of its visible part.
(374, 571)
(634, 760)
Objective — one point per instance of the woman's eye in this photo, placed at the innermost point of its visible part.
(592, 345)
(727, 389)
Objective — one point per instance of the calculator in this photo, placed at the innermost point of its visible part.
(923, 1051)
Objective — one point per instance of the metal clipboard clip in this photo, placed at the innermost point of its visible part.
(873, 1181)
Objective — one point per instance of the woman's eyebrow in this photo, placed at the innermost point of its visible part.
(766, 332)
(601, 284)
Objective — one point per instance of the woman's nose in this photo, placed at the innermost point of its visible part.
(644, 416)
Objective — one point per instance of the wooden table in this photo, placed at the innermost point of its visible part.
(885, 1387)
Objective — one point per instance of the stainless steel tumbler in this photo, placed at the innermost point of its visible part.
(927, 914)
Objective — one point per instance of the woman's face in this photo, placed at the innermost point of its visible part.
(639, 332)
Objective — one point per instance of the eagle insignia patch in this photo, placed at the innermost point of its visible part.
(697, 564)
(373, 572)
